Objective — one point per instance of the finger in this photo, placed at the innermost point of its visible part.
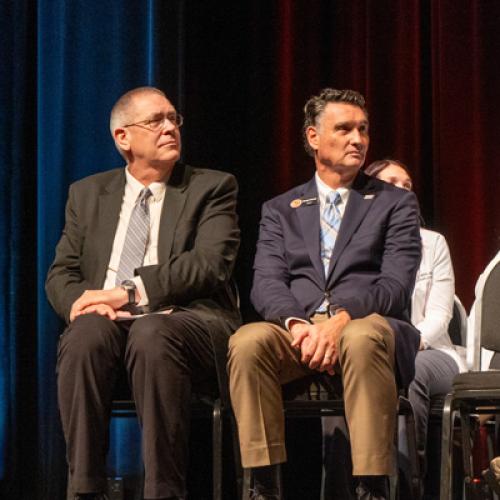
(308, 351)
(298, 339)
(107, 311)
(318, 357)
(330, 370)
(86, 310)
(329, 359)
(123, 314)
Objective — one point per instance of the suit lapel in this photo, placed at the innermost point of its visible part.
(110, 203)
(175, 199)
(360, 200)
(308, 214)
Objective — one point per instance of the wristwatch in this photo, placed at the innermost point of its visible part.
(130, 287)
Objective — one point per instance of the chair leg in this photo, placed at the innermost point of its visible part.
(411, 437)
(217, 451)
(247, 484)
(239, 471)
(447, 448)
(466, 450)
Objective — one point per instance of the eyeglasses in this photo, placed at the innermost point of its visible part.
(156, 124)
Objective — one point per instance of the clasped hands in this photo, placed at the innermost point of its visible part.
(103, 302)
(318, 342)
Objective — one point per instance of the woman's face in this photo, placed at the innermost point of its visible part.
(394, 174)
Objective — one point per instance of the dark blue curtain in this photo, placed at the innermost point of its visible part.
(64, 65)
(17, 233)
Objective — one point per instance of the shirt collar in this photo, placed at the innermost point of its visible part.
(157, 188)
(324, 189)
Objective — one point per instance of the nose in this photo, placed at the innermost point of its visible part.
(167, 124)
(356, 137)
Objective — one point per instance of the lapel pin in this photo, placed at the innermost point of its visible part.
(310, 201)
(306, 201)
(369, 196)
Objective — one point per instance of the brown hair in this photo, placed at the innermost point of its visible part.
(378, 166)
(317, 104)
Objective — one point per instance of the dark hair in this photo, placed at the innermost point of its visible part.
(317, 104)
(378, 166)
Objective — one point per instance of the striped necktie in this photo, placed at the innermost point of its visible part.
(330, 224)
(136, 238)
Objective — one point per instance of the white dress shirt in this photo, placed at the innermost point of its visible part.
(324, 190)
(132, 189)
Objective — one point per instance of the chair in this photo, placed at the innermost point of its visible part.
(316, 406)
(473, 392)
(201, 407)
(457, 330)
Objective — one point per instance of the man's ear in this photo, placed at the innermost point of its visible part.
(312, 137)
(122, 138)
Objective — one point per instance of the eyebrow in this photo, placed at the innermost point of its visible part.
(158, 115)
(352, 123)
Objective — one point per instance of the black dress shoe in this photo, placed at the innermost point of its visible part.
(91, 496)
(271, 495)
(373, 488)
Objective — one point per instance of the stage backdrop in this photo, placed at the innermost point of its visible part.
(240, 73)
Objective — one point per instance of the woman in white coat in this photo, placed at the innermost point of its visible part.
(438, 361)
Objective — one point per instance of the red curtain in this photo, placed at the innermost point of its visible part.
(430, 73)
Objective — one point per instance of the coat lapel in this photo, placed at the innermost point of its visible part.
(360, 200)
(308, 214)
(175, 199)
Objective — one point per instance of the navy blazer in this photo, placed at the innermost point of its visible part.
(372, 268)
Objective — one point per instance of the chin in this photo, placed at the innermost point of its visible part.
(171, 156)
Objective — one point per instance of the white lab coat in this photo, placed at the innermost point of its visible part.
(432, 299)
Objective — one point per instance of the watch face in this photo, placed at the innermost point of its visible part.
(128, 284)
(129, 287)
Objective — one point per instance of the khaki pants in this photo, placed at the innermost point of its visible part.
(261, 360)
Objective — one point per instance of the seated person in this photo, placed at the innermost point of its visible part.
(155, 236)
(438, 361)
(334, 269)
(479, 358)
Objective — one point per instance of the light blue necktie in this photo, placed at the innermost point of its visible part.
(330, 224)
(136, 238)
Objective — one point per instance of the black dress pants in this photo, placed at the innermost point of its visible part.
(165, 357)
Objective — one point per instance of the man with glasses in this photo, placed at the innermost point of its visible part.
(142, 277)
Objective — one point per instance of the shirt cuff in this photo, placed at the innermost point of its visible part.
(142, 291)
(425, 343)
(293, 318)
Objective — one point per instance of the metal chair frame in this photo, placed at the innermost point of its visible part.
(200, 408)
(475, 398)
(214, 408)
(317, 408)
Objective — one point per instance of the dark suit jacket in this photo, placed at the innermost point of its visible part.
(372, 269)
(197, 244)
